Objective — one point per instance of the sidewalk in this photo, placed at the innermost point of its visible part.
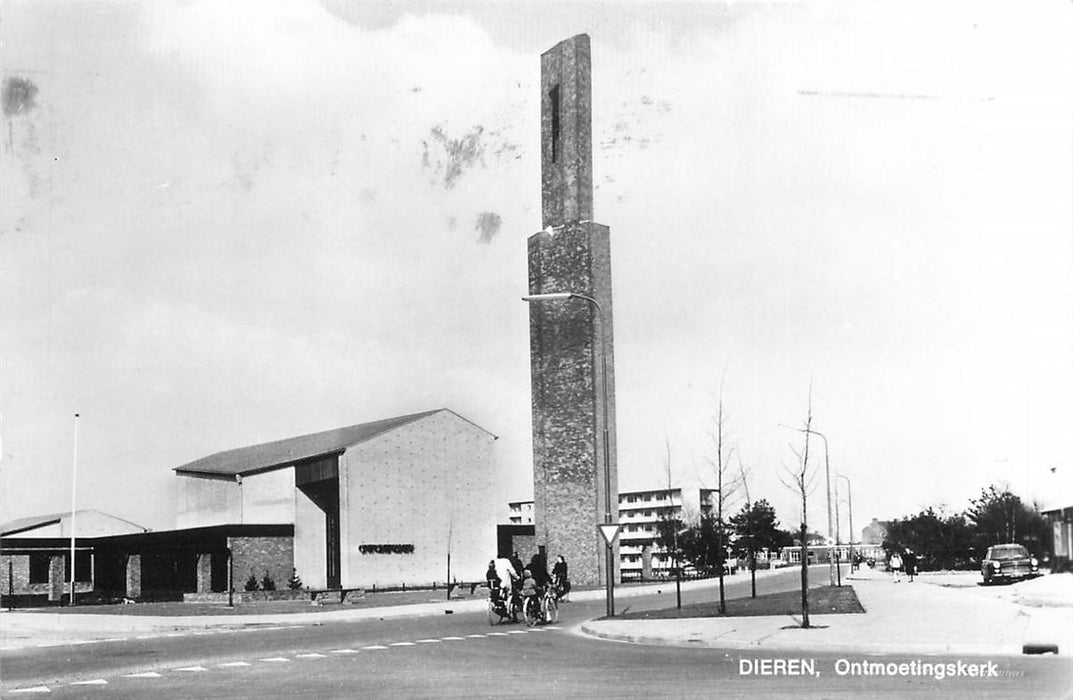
(933, 615)
(915, 618)
(31, 629)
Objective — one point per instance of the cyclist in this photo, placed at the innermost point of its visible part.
(530, 589)
(507, 575)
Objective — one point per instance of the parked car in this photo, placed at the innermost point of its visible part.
(1008, 562)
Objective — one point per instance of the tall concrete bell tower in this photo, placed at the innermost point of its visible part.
(571, 340)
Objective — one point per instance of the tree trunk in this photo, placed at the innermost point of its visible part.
(804, 575)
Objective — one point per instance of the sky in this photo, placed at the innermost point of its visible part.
(225, 223)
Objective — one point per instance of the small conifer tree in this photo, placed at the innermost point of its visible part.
(267, 583)
(295, 582)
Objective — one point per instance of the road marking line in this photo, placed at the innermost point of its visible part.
(95, 681)
(497, 634)
(230, 664)
(310, 656)
(147, 674)
(375, 646)
(553, 627)
(276, 659)
(518, 632)
(346, 651)
(475, 636)
(35, 689)
(428, 641)
(199, 669)
(453, 639)
(401, 644)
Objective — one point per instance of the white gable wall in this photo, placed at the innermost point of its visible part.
(429, 484)
(268, 497)
(205, 501)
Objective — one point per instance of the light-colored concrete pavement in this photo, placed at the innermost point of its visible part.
(916, 618)
(945, 614)
(40, 628)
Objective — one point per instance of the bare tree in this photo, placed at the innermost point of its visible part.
(726, 487)
(675, 524)
(800, 480)
(748, 504)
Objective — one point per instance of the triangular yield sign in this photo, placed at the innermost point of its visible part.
(609, 531)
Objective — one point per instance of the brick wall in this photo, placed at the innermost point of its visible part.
(567, 396)
(257, 555)
(571, 491)
(15, 573)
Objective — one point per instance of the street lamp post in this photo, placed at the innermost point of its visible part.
(827, 471)
(610, 564)
(849, 493)
(74, 484)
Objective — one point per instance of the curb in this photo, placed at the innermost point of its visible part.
(13, 620)
(781, 645)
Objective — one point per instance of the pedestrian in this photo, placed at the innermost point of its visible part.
(559, 575)
(910, 561)
(895, 565)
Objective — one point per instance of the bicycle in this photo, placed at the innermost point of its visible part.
(500, 609)
(541, 609)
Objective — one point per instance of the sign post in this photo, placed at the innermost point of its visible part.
(609, 531)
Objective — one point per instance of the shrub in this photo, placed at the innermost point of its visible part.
(267, 584)
(295, 582)
(251, 583)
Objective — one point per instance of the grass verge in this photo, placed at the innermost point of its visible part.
(823, 600)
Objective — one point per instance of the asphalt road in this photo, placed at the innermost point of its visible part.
(460, 655)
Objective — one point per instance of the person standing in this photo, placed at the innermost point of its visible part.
(910, 562)
(896, 566)
(560, 578)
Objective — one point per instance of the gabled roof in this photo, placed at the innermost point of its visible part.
(281, 453)
(33, 522)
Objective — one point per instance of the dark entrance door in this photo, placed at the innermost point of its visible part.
(331, 524)
(320, 482)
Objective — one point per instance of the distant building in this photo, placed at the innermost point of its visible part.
(875, 532)
(640, 514)
(1061, 520)
(818, 553)
(520, 513)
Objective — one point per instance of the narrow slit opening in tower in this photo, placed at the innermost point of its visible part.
(554, 97)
